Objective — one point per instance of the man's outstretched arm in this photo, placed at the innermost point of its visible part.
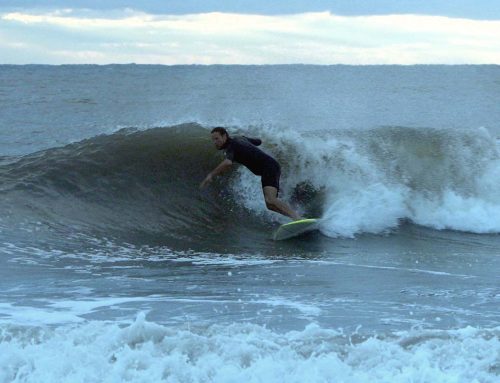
(221, 168)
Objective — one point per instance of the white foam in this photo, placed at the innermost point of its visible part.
(61, 311)
(453, 211)
(307, 309)
(112, 254)
(374, 209)
(372, 180)
(406, 269)
(150, 352)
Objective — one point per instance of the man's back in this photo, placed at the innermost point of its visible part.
(244, 150)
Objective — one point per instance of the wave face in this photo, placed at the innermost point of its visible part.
(130, 182)
(145, 182)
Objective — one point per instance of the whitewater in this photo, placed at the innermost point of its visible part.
(115, 266)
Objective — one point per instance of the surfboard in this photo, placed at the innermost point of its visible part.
(295, 228)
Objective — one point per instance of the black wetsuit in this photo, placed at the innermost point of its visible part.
(244, 150)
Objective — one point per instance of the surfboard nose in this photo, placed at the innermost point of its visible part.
(295, 228)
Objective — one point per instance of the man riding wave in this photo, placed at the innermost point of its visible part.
(244, 150)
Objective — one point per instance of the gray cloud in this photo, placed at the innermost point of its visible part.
(74, 36)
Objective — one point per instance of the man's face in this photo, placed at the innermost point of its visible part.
(218, 140)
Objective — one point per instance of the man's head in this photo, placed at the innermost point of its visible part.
(219, 137)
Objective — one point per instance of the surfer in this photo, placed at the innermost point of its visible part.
(244, 150)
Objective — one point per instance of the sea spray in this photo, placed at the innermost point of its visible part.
(372, 180)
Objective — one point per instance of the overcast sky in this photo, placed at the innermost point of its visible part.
(250, 31)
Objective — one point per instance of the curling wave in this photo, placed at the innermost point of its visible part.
(139, 182)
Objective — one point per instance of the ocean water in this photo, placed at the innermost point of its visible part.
(115, 267)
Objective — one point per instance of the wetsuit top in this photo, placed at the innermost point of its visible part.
(244, 150)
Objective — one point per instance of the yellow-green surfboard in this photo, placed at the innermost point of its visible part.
(295, 228)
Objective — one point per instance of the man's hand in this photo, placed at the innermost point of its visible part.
(206, 181)
(223, 166)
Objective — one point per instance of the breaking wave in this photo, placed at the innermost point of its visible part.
(145, 182)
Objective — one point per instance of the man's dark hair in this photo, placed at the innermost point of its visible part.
(220, 130)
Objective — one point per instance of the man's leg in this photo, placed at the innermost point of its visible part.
(274, 204)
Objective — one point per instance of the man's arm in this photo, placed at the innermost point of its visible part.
(221, 168)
